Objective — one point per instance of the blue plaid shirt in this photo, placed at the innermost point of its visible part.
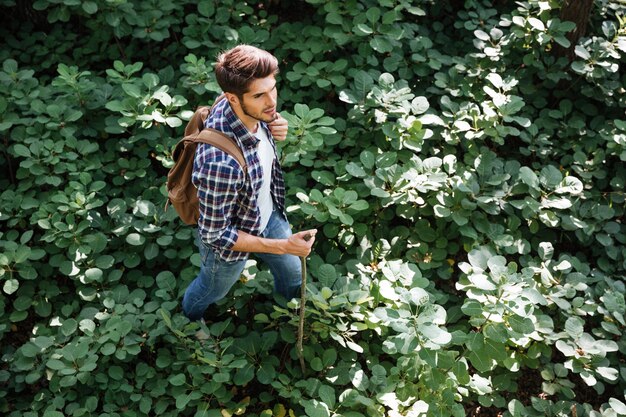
(228, 200)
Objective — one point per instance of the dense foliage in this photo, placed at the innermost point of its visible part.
(466, 175)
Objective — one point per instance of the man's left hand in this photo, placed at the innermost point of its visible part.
(279, 128)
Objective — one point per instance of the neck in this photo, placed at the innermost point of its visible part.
(250, 123)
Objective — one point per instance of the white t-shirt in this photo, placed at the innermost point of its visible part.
(266, 157)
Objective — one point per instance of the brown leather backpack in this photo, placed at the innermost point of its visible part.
(181, 192)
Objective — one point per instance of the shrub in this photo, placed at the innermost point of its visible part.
(466, 175)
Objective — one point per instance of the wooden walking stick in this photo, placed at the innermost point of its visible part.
(299, 346)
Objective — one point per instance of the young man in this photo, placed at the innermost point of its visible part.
(242, 214)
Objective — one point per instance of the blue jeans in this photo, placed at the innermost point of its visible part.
(217, 276)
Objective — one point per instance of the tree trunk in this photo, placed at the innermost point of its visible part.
(577, 11)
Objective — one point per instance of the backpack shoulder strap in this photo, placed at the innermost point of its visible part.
(196, 132)
(196, 123)
(224, 142)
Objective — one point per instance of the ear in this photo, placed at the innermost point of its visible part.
(232, 98)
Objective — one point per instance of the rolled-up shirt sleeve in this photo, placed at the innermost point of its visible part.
(218, 179)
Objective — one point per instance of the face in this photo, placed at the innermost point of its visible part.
(259, 103)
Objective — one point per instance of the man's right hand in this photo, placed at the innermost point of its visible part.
(299, 245)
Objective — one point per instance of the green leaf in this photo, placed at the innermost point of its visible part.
(582, 53)
(90, 7)
(346, 219)
(316, 364)
(327, 395)
(563, 41)
(116, 372)
(359, 205)
(363, 83)
(182, 401)
(135, 239)
(574, 326)
(22, 254)
(482, 282)
(94, 274)
(481, 385)
(483, 36)
(116, 106)
(367, 159)
(461, 372)
(10, 66)
(21, 150)
(43, 342)
(363, 29)
(536, 24)
(206, 9)
(419, 105)
(173, 121)
(617, 406)
(435, 334)
(570, 185)
(610, 374)
(56, 364)
(441, 211)
(355, 170)
(496, 332)
(10, 286)
(151, 251)
(546, 250)
(69, 327)
(416, 296)
(327, 275)
(354, 346)
(244, 375)
(529, 177)
(177, 380)
(522, 325)
(53, 413)
(481, 361)
(329, 357)
(472, 308)
(314, 408)
(150, 80)
(105, 261)
(381, 44)
(87, 326)
(565, 348)
(324, 177)
(462, 125)
(373, 15)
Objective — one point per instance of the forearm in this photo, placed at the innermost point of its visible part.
(250, 243)
(298, 244)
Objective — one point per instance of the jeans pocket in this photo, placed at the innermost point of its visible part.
(205, 251)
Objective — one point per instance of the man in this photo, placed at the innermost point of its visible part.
(242, 214)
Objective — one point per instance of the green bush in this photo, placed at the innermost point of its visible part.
(466, 176)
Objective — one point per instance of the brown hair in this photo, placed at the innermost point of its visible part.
(238, 67)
